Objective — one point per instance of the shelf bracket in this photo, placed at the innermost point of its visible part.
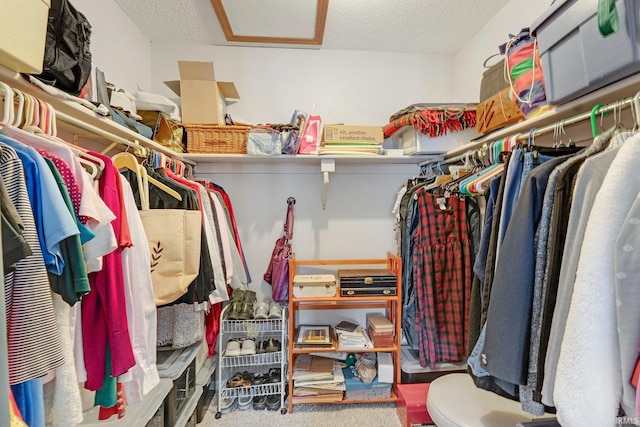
(326, 166)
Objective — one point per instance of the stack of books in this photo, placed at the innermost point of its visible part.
(381, 330)
(350, 148)
(317, 379)
(352, 140)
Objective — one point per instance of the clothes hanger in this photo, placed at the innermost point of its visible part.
(7, 113)
(17, 108)
(129, 161)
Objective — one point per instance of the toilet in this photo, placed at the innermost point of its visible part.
(455, 401)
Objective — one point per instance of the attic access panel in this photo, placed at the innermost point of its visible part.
(272, 21)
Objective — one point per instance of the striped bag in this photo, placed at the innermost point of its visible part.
(523, 71)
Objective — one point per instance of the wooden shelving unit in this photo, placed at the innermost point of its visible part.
(391, 304)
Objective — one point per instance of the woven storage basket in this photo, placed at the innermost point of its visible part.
(215, 139)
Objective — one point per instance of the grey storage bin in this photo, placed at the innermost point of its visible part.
(576, 58)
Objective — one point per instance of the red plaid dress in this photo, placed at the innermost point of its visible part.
(442, 272)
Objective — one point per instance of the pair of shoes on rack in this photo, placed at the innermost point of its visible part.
(244, 379)
(268, 346)
(242, 302)
(267, 310)
(240, 347)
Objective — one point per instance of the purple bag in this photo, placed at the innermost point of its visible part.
(277, 274)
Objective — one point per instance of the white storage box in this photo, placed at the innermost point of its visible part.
(314, 286)
(576, 57)
(413, 141)
(385, 368)
(23, 29)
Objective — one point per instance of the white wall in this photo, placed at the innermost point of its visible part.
(514, 16)
(357, 221)
(362, 88)
(118, 48)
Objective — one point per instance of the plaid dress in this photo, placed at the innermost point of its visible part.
(442, 275)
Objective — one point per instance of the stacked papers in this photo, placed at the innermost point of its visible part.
(356, 340)
(317, 379)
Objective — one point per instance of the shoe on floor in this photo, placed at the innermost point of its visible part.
(259, 402)
(245, 402)
(227, 404)
(273, 402)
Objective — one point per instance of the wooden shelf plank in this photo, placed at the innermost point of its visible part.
(339, 350)
(393, 398)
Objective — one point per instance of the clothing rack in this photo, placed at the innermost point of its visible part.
(472, 148)
(76, 116)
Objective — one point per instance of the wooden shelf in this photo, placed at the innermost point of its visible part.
(393, 398)
(392, 305)
(310, 158)
(340, 350)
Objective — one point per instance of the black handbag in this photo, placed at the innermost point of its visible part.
(67, 53)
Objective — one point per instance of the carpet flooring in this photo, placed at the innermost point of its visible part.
(330, 415)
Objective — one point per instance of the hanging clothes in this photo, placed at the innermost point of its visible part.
(31, 324)
(103, 314)
(508, 315)
(590, 351)
(442, 276)
(141, 309)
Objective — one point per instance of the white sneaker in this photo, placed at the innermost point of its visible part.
(248, 347)
(233, 348)
(275, 311)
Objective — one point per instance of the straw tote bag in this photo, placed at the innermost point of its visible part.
(174, 244)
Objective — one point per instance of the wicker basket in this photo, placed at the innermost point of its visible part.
(214, 139)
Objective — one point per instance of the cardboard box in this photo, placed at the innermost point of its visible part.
(204, 100)
(415, 142)
(353, 134)
(23, 29)
(357, 390)
(411, 406)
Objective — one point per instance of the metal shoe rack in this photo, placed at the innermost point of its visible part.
(258, 329)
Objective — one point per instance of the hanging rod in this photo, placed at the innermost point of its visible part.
(449, 159)
(96, 130)
(579, 118)
(114, 138)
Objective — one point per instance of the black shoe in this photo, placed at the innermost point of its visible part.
(273, 402)
(259, 402)
(273, 345)
(262, 347)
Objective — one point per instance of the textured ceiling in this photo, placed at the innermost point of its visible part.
(419, 26)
